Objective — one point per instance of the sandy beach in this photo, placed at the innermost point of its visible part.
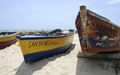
(12, 63)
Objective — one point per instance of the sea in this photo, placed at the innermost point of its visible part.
(23, 30)
(29, 30)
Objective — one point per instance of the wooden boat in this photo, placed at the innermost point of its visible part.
(7, 38)
(96, 33)
(40, 46)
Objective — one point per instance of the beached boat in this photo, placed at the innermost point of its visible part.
(44, 45)
(7, 38)
(96, 33)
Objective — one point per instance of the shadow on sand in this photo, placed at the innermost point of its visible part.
(87, 66)
(29, 69)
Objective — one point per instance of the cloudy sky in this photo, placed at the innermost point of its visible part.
(52, 14)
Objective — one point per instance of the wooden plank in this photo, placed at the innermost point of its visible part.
(107, 55)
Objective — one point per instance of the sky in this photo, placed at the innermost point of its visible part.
(52, 14)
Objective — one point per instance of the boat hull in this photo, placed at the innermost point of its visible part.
(40, 47)
(96, 33)
(6, 41)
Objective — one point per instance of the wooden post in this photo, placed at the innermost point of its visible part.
(84, 25)
(6, 33)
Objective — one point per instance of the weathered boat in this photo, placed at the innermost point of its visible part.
(7, 38)
(44, 45)
(97, 33)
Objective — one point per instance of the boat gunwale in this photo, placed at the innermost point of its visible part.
(9, 35)
(99, 17)
(89, 11)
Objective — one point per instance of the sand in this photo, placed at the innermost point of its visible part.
(12, 63)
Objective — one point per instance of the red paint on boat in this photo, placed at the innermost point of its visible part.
(7, 43)
(104, 34)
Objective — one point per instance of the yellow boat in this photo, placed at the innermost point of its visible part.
(7, 38)
(37, 46)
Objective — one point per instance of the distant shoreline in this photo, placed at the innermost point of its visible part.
(24, 30)
(31, 30)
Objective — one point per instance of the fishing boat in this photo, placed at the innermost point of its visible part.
(96, 33)
(39, 46)
(7, 38)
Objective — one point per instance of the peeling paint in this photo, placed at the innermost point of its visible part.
(96, 33)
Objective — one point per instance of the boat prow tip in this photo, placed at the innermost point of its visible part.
(18, 37)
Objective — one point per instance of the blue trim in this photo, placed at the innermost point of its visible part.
(103, 44)
(44, 54)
